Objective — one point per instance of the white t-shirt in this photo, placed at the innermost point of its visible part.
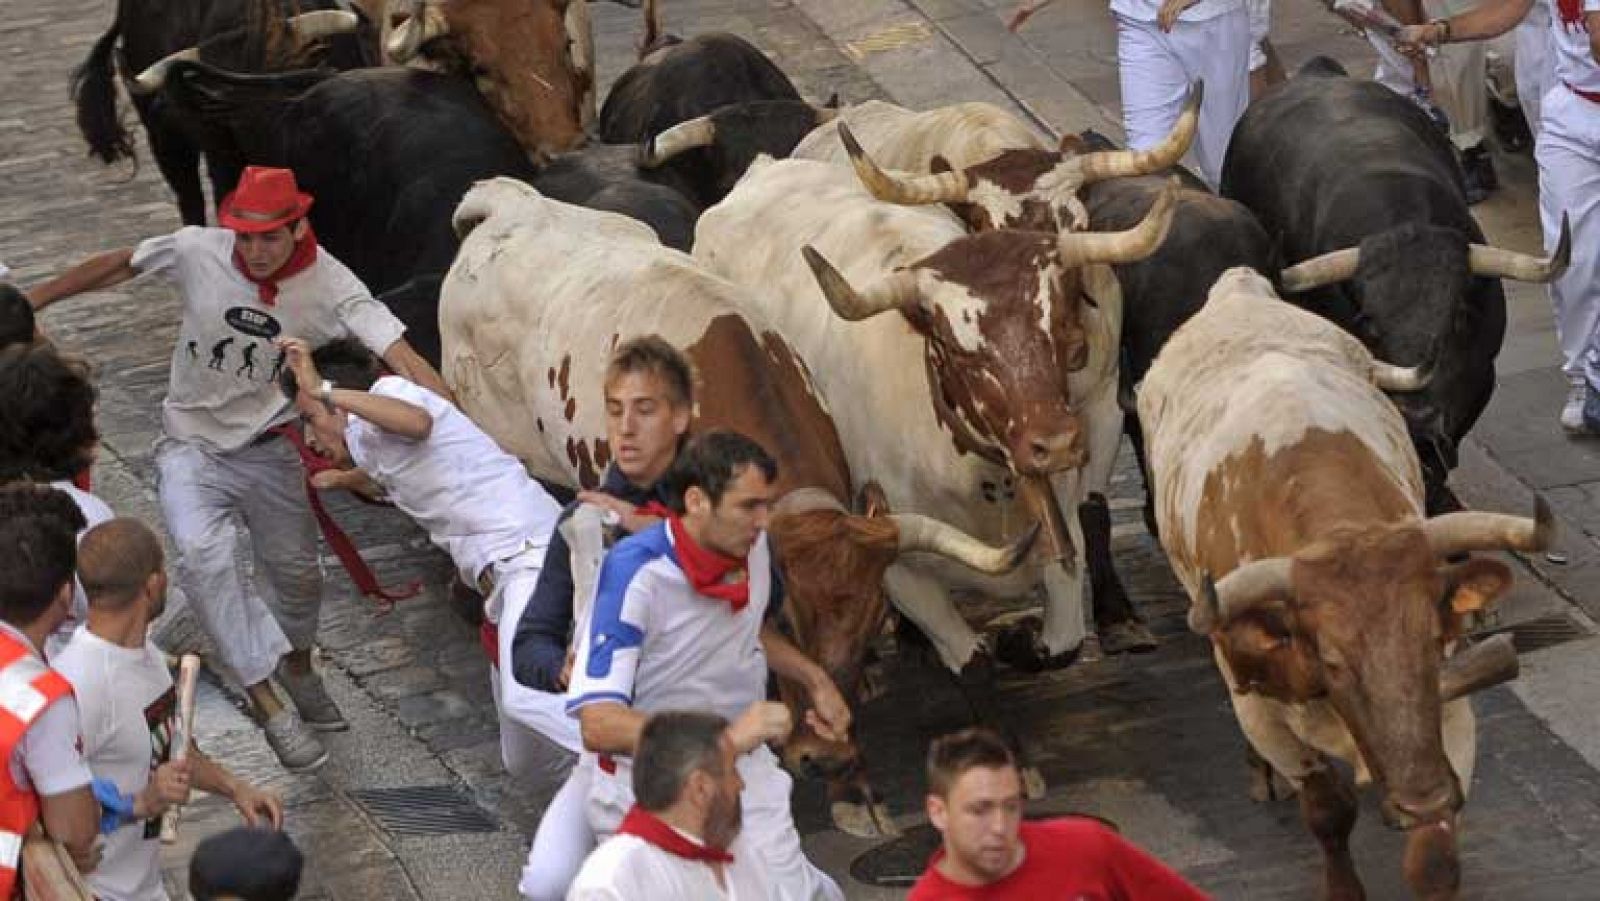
(95, 511)
(1146, 10)
(125, 705)
(49, 757)
(1575, 62)
(628, 868)
(476, 501)
(223, 391)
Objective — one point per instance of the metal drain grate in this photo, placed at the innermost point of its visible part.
(424, 810)
(1541, 633)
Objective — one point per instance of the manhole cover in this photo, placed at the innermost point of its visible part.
(1541, 633)
(424, 810)
(897, 863)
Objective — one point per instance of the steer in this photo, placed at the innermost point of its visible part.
(732, 138)
(1372, 207)
(247, 35)
(965, 372)
(541, 293)
(1283, 472)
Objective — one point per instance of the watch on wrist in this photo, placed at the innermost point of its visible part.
(325, 394)
(1441, 31)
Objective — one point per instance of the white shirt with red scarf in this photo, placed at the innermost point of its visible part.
(1575, 64)
(661, 863)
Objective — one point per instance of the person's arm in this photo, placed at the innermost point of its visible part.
(101, 271)
(610, 727)
(829, 714)
(1141, 875)
(539, 647)
(387, 413)
(73, 819)
(50, 754)
(405, 362)
(257, 807)
(1591, 21)
(1486, 20)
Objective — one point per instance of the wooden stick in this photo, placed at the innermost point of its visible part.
(182, 733)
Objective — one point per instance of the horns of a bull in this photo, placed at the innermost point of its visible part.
(1493, 262)
(908, 190)
(425, 24)
(922, 533)
(680, 138)
(893, 291)
(1484, 665)
(1404, 379)
(306, 27)
(1246, 588)
(1472, 530)
(1099, 166)
(155, 75)
(1083, 248)
(1323, 270)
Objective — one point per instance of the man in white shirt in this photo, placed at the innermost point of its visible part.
(222, 455)
(126, 706)
(477, 502)
(677, 623)
(673, 845)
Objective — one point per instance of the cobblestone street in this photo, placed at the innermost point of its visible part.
(1148, 742)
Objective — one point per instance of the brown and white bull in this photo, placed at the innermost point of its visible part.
(988, 165)
(1281, 470)
(541, 293)
(973, 375)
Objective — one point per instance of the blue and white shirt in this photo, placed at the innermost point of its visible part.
(654, 643)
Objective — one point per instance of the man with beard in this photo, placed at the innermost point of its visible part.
(673, 844)
(975, 801)
(126, 705)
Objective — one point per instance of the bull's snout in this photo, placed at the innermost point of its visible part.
(812, 757)
(1037, 451)
(1405, 812)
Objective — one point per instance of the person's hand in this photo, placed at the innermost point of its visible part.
(632, 520)
(1169, 12)
(168, 786)
(760, 723)
(258, 807)
(1413, 41)
(829, 715)
(565, 678)
(353, 480)
(297, 354)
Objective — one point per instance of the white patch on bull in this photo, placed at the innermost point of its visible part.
(1002, 205)
(962, 309)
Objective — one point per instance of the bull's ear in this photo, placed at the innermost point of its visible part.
(939, 164)
(1475, 584)
(1073, 145)
(872, 500)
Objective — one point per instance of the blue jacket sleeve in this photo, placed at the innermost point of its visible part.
(539, 648)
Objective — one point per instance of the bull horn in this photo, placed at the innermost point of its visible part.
(1249, 587)
(1323, 270)
(1472, 530)
(1403, 379)
(323, 23)
(1494, 262)
(907, 190)
(1101, 165)
(155, 75)
(680, 138)
(896, 290)
(924, 533)
(1084, 248)
(1484, 665)
(424, 25)
(826, 113)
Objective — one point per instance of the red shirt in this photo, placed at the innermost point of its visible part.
(1069, 859)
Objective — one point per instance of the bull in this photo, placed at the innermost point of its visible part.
(247, 35)
(1292, 506)
(540, 294)
(1375, 213)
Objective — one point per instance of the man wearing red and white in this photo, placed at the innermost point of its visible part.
(673, 844)
(223, 454)
(975, 801)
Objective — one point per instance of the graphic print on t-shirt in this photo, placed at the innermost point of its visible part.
(237, 352)
(158, 719)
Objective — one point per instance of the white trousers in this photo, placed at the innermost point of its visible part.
(538, 741)
(1156, 69)
(252, 622)
(1568, 154)
(562, 842)
(1534, 62)
(1458, 76)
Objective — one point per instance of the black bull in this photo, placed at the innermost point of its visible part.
(1329, 163)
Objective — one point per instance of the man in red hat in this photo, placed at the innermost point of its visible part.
(222, 455)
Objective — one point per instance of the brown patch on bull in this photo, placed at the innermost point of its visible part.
(602, 454)
(1011, 391)
(564, 379)
(538, 423)
(570, 411)
(582, 460)
(550, 377)
(1016, 172)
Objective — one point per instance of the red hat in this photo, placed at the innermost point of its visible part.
(265, 199)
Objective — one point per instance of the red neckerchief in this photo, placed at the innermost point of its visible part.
(305, 253)
(710, 573)
(83, 481)
(647, 826)
(1571, 14)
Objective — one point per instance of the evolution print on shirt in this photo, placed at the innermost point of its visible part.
(249, 354)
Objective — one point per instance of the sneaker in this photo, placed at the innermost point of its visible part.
(1572, 410)
(311, 698)
(1477, 169)
(297, 749)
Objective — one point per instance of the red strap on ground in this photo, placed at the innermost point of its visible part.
(360, 573)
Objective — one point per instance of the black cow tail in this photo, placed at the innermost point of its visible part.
(94, 90)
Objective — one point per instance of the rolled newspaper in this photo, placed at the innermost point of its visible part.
(182, 732)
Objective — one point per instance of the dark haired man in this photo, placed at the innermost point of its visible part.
(17, 324)
(975, 801)
(259, 277)
(673, 845)
(45, 778)
(677, 623)
(246, 864)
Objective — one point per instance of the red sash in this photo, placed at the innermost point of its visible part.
(710, 573)
(647, 826)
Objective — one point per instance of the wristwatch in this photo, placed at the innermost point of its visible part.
(1441, 31)
(325, 394)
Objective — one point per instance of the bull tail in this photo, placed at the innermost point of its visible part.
(94, 90)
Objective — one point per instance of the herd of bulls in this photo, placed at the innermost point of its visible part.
(941, 327)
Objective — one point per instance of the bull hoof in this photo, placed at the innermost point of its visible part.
(1019, 647)
(1266, 786)
(1127, 637)
(863, 820)
(1033, 785)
